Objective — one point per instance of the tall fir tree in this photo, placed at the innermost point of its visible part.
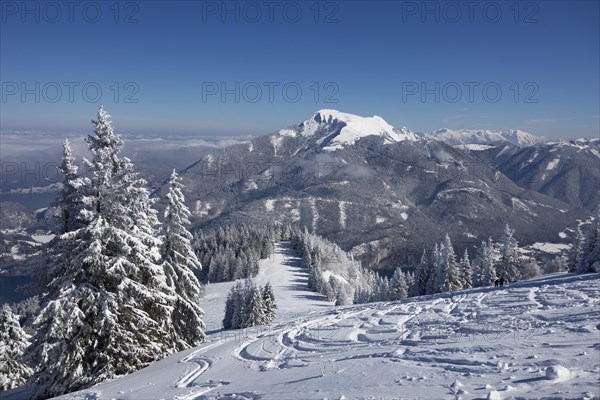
(399, 285)
(72, 215)
(239, 306)
(434, 278)
(422, 276)
(108, 308)
(488, 265)
(448, 275)
(269, 303)
(13, 342)
(576, 250)
(182, 267)
(255, 307)
(507, 269)
(466, 271)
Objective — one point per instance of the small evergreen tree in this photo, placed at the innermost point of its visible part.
(466, 271)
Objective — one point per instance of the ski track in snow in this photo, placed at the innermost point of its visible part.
(488, 339)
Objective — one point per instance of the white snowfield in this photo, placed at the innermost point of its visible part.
(533, 339)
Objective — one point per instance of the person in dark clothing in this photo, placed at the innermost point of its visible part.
(496, 283)
(501, 282)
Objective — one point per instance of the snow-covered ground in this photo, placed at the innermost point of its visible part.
(533, 339)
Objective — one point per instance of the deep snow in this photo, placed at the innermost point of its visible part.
(533, 339)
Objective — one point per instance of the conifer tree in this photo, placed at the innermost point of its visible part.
(422, 276)
(182, 267)
(255, 307)
(13, 342)
(269, 303)
(507, 269)
(576, 250)
(108, 308)
(436, 259)
(399, 285)
(488, 267)
(466, 271)
(590, 255)
(449, 277)
(72, 195)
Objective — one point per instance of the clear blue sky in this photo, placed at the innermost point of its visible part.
(376, 57)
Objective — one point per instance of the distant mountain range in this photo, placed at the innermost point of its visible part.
(485, 136)
(386, 193)
(382, 192)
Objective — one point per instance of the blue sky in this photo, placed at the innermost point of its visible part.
(386, 58)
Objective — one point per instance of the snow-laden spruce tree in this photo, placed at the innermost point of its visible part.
(269, 302)
(590, 254)
(448, 277)
(576, 251)
(466, 271)
(181, 267)
(71, 216)
(422, 276)
(72, 195)
(230, 306)
(399, 285)
(235, 307)
(13, 342)
(108, 308)
(507, 268)
(255, 306)
(487, 263)
(434, 279)
(249, 305)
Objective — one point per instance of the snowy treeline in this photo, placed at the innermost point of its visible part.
(120, 288)
(232, 252)
(335, 274)
(249, 305)
(332, 272)
(442, 271)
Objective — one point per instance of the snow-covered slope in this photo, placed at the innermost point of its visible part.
(345, 129)
(287, 277)
(485, 136)
(534, 339)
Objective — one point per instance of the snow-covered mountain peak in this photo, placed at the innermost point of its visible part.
(343, 129)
